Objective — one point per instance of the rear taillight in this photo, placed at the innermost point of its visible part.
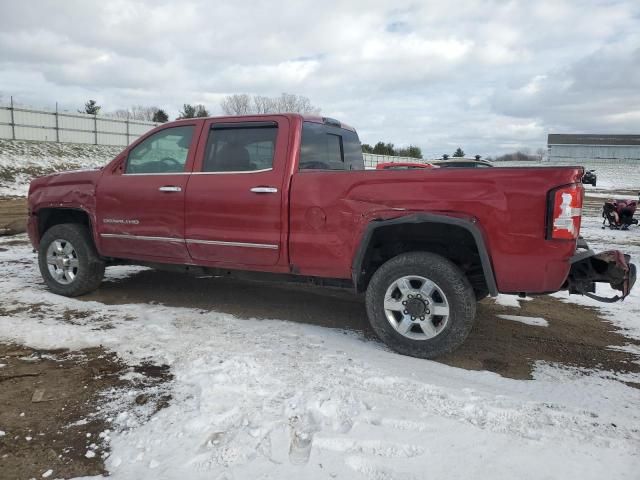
(565, 212)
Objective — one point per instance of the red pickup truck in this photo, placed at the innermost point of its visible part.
(286, 197)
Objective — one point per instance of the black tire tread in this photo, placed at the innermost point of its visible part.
(92, 266)
(453, 282)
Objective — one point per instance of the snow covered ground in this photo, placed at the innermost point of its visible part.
(20, 161)
(272, 399)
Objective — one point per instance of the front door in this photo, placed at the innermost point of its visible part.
(140, 210)
(235, 194)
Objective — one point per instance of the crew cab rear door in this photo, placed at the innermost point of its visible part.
(140, 201)
(235, 194)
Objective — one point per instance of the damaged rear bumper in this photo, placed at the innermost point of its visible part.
(612, 267)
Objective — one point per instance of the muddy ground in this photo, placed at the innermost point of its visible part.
(49, 409)
(13, 215)
(46, 398)
(59, 392)
(576, 336)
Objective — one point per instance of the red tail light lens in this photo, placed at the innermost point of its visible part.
(565, 212)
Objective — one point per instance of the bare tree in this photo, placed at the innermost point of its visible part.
(120, 114)
(140, 112)
(541, 152)
(238, 104)
(243, 104)
(135, 112)
(290, 103)
(263, 104)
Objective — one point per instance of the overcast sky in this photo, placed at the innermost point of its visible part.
(489, 76)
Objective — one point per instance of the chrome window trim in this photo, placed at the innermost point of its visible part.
(267, 246)
(141, 237)
(125, 236)
(200, 173)
(234, 171)
(162, 173)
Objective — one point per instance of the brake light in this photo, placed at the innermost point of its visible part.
(565, 212)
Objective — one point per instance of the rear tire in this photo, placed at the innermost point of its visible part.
(420, 304)
(68, 260)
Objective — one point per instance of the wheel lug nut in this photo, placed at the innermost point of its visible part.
(404, 303)
(406, 311)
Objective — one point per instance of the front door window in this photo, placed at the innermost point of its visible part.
(163, 152)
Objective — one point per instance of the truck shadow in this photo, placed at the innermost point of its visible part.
(576, 336)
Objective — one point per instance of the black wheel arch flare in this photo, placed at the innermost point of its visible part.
(469, 225)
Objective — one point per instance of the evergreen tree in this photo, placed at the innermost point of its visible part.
(188, 111)
(193, 111)
(91, 107)
(411, 151)
(160, 116)
(458, 153)
(201, 111)
(366, 148)
(382, 148)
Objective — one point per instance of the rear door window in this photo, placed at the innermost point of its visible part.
(325, 147)
(242, 147)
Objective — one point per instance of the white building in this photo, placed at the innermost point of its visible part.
(599, 147)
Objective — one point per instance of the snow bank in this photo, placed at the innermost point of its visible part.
(20, 161)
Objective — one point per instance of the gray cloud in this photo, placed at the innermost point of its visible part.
(488, 75)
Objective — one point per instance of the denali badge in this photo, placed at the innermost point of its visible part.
(121, 221)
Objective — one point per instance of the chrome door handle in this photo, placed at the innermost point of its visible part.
(170, 188)
(264, 190)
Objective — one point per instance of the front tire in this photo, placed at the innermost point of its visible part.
(68, 260)
(420, 304)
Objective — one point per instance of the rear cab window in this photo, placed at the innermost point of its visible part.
(329, 147)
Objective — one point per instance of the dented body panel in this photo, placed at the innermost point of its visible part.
(68, 190)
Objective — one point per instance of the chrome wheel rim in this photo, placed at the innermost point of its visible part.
(62, 261)
(416, 307)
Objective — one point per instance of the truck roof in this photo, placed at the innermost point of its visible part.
(305, 117)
